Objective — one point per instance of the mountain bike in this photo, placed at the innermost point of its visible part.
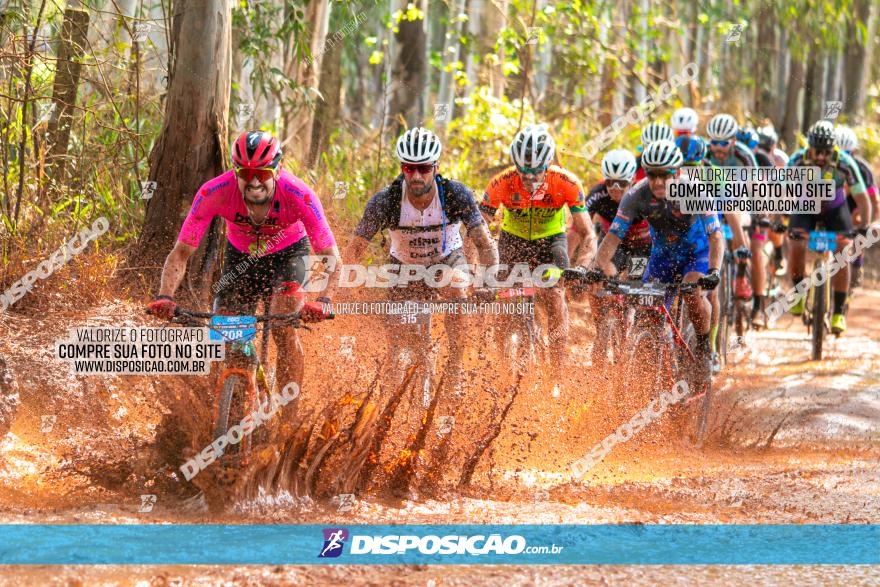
(818, 306)
(659, 345)
(616, 318)
(242, 387)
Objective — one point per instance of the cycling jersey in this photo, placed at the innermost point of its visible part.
(680, 241)
(763, 159)
(867, 179)
(538, 215)
(841, 168)
(421, 237)
(295, 212)
(600, 204)
(640, 172)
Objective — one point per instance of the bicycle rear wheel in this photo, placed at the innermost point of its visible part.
(725, 297)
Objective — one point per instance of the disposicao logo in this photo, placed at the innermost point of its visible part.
(334, 540)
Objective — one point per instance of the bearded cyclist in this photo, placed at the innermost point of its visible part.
(726, 151)
(837, 165)
(423, 213)
(653, 131)
(618, 169)
(848, 142)
(272, 218)
(534, 194)
(686, 247)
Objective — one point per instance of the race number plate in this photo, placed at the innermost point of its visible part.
(516, 293)
(822, 241)
(233, 328)
(649, 300)
(414, 313)
(637, 266)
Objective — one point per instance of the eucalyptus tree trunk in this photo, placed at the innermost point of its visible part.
(192, 147)
(71, 48)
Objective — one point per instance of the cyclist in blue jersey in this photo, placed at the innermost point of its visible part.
(694, 150)
(837, 165)
(686, 247)
(726, 151)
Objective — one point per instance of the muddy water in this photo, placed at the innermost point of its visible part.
(793, 441)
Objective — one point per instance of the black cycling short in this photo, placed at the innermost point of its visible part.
(552, 250)
(419, 290)
(245, 280)
(836, 220)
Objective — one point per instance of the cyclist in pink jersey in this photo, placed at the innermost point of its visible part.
(272, 218)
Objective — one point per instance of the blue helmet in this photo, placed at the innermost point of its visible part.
(692, 147)
(747, 136)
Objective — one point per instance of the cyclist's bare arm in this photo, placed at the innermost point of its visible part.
(175, 268)
(716, 249)
(605, 253)
(739, 235)
(586, 237)
(864, 206)
(486, 247)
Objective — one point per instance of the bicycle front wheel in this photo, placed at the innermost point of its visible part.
(230, 404)
(820, 303)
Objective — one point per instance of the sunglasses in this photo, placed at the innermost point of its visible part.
(660, 174)
(621, 185)
(719, 143)
(531, 170)
(263, 174)
(422, 168)
(825, 152)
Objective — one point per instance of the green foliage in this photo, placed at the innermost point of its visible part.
(479, 139)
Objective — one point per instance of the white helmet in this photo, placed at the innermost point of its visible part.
(656, 131)
(846, 138)
(721, 127)
(662, 154)
(533, 147)
(619, 164)
(418, 145)
(685, 119)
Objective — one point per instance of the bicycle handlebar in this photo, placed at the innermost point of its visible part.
(627, 288)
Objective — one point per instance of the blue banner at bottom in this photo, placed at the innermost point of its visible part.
(155, 544)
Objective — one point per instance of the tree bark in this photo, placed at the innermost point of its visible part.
(446, 91)
(791, 122)
(297, 127)
(813, 88)
(858, 59)
(192, 147)
(496, 19)
(765, 89)
(327, 108)
(74, 31)
(409, 71)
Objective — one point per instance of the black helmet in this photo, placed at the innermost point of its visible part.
(821, 135)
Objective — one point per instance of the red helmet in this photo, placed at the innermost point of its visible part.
(256, 149)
